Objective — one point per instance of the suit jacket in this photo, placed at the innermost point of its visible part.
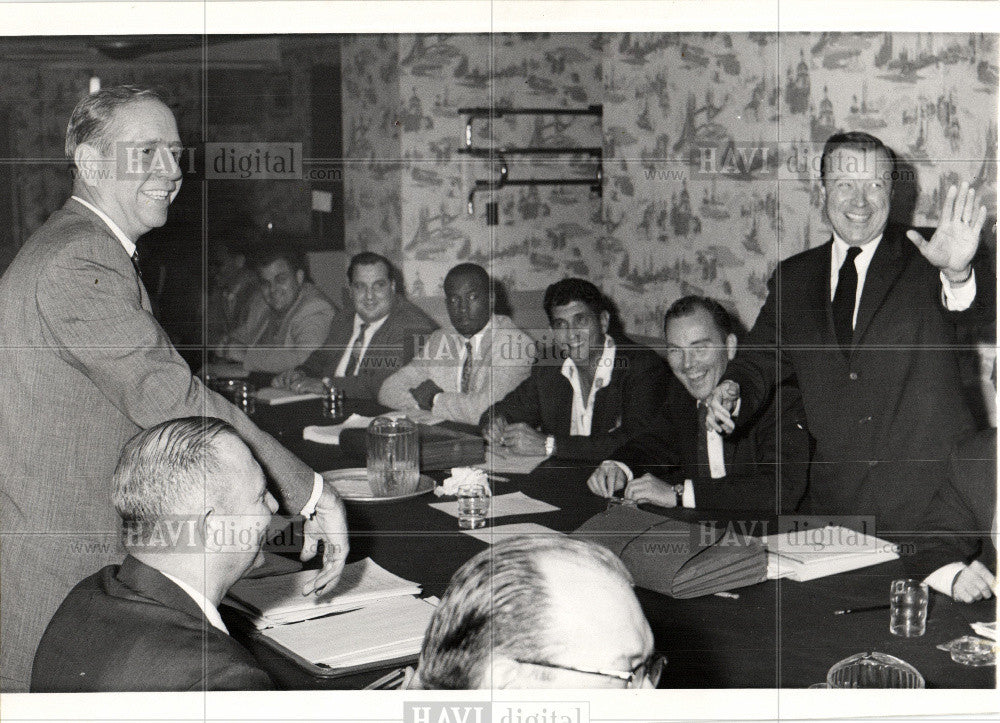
(886, 413)
(130, 628)
(268, 343)
(544, 401)
(85, 366)
(668, 449)
(502, 361)
(962, 516)
(390, 349)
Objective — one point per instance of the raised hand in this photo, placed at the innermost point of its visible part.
(956, 239)
(721, 407)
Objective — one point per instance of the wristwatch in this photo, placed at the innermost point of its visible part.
(550, 445)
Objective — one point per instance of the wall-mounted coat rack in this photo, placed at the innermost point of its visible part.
(499, 156)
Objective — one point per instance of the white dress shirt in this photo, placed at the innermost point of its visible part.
(583, 412)
(476, 340)
(955, 297)
(211, 612)
(369, 333)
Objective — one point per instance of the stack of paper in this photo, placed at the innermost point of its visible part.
(330, 434)
(279, 600)
(510, 463)
(809, 554)
(380, 631)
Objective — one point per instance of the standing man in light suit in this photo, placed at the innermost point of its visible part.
(85, 366)
(864, 324)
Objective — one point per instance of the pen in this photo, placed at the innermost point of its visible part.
(497, 478)
(868, 609)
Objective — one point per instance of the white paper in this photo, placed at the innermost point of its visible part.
(272, 396)
(382, 630)
(322, 201)
(330, 434)
(417, 416)
(280, 600)
(512, 503)
(489, 535)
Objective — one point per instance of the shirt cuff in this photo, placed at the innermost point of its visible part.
(310, 509)
(623, 467)
(958, 297)
(944, 577)
(687, 500)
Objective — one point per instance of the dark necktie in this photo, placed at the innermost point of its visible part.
(843, 299)
(703, 466)
(135, 263)
(352, 361)
(466, 368)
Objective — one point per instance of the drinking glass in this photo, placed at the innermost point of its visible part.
(473, 504)
(873, 670)
(393, 452)
(908, 608)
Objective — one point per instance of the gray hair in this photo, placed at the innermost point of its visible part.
(93, 116)
(167, 469)
(499, 602)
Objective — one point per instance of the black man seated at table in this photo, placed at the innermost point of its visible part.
(512, 618)
(286, 323)
(195, 511)
(677, 462)
(589, 394)
(465, 368)
(364, 348)
(957, 555)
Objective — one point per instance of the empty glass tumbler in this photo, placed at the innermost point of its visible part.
(393, 457)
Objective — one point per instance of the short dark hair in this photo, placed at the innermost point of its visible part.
(568, 290)
(859, 141)
(263, 257)
(367, 258)
(474, 271)
(498, 603)
(93, 116)
(687, 305)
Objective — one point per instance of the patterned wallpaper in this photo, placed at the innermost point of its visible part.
(673, 228)
(543, 232)
(669, 223)
(370, 100)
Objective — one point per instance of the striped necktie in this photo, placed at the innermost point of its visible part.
(356, 348)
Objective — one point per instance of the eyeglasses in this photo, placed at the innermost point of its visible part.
(650, 669)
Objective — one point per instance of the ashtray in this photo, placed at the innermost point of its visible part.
(971, 651)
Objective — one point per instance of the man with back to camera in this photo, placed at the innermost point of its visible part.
(195, 509)
(87, 366)
(513, 617)
(677, 462)
(590, 397)
(464, 369)
(363, 349)
(286, 323)
(861, 324)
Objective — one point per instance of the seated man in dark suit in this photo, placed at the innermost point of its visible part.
(195, 509)
(366, 347)
(958, 556)
(676, 461)
(588, 397)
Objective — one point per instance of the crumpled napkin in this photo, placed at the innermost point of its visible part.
(462, 476)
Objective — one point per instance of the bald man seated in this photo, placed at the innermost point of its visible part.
(195, 511)
(512, 618)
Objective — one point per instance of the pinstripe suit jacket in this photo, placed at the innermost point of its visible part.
(84, 366)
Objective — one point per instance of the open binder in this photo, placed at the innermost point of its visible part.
(674, 557)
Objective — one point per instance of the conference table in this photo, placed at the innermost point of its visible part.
(775, 634)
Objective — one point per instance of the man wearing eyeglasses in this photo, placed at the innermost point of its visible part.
(512, 618)
(365, 348)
